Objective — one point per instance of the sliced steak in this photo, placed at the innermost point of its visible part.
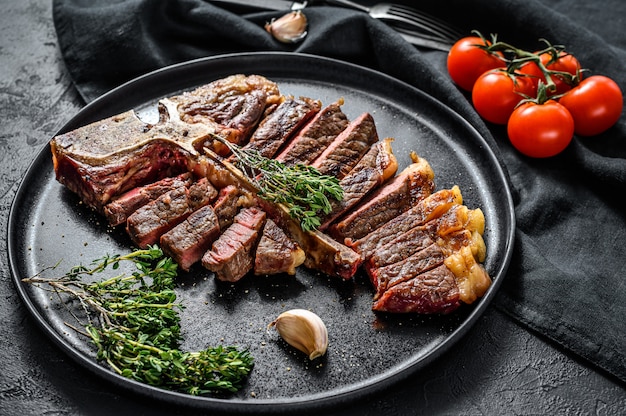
(147, 224)
(390, 275)
(315, 136)
(277, 253)
(232, 254)
(400, 248)
(188, 241)
(443, 232)
(235, 103)
(413, 184)
(434, 291)
(425, 210)
(347, 149)
(322, 252)
(118, 210)
(226, 206)
(281, 124)
(378, 165)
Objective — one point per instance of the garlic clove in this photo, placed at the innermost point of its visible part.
(303, 330)
(290, 28)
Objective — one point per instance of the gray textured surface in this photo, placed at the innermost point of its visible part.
(499, 368)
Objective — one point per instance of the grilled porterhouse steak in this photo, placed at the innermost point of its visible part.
(421, 248)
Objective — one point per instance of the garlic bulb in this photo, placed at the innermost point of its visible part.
(291, 28)
(303, 330)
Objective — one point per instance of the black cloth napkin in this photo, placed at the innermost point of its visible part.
(566, 280)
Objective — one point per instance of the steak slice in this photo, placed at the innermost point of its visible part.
(281, 124)
(454, 238)
(347, 149)
(226, 206)
(147, 224)
(188, 241)
(434, 291)
(232, 254)
(277, 253)
(118, 210)
(400, 248)
(425, 210)
(390, 275)
(443, 231)
(322, 252)
(413, 184)
(378, 165)
(315, 136)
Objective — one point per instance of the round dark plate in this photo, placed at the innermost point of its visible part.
(367, 351)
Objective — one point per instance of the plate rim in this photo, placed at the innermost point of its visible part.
(314, 401)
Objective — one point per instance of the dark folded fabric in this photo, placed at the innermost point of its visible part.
(566, 280)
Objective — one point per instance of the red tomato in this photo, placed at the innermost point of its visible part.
(540, 130)
(565, 63)
(595, 104)
(496, 93)
(467, 61)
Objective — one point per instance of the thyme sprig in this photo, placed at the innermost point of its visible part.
(134, 322)
(301, 188)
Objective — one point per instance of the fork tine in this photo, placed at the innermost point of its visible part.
(425, 40)
(431, 23)
(409, 24)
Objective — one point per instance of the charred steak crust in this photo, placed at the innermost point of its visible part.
(146, 225)
(400, 248)
(323, 253)
(97, 176)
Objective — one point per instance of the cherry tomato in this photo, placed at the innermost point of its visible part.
(540, 130)
(467, 61)
(496, 93)
(565, 63)
(595, 104)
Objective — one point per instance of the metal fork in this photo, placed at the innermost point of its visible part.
(415, 26)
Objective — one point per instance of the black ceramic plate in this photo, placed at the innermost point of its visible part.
(367, 351)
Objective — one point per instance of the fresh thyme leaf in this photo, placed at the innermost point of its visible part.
(301, 188)
(134, 322)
